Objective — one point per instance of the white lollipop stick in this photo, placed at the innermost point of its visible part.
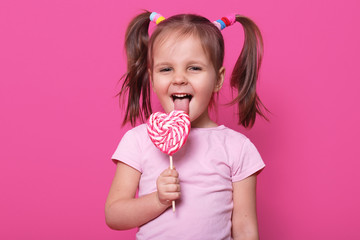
(172, 167)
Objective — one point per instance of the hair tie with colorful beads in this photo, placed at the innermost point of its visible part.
(225, 22)
(156, 17)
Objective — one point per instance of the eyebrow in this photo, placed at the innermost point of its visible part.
(188, 63)
(197, 62)
(162, 64)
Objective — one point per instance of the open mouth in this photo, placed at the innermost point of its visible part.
(181, 101)
(181, 96)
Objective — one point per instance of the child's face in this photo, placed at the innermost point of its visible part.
(180, 66)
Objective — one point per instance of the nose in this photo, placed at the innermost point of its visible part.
(179, 78)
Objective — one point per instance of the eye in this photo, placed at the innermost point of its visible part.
(165, 69)
(195, 68)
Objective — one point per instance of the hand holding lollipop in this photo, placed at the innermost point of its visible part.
(169, 132)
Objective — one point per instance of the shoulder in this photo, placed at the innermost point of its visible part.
(221, 137)
(232, 137)
(238, 145)
(130, 148)
(242, 142)
(233, 133)
(140, 129)
(136, 136)
(137, 132)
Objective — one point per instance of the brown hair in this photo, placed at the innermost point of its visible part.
(139, 50)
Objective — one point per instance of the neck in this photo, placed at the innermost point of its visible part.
(203, 121)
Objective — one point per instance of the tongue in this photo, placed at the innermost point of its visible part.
(182, 104)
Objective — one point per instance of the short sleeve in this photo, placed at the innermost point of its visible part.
(249, 162)
(128, 151)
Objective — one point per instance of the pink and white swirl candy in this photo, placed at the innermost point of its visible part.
(169, 131)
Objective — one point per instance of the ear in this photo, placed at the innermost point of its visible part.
(220, 80)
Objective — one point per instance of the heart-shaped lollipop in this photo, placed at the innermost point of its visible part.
(169, 131)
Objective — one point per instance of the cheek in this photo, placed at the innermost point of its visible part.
(207, 89)
(157, 86)
(161, 90)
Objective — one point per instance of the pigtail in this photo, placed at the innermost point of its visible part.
(245, 74)
(136, 80)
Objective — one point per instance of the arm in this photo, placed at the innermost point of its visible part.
(124, 211)
(244, 220)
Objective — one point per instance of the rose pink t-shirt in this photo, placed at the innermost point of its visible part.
(209, 162)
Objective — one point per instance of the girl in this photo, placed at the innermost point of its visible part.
(215, 177)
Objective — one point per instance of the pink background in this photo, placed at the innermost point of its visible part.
(60, 122)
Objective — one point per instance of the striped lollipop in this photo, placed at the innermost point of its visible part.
(169, 132)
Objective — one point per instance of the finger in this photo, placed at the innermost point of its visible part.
(170, 180)
(174, 173)
(171, 188)
(167, 172)
(173, 196)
